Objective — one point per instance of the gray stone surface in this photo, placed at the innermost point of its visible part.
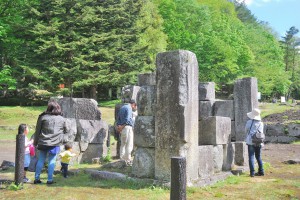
(129, 92)
(224, 108)
(293, 130)
(241, 154)
(228, 156)
(80, 108)
(275, 129)
(281, 139)
(206, 109)
(72, 129)
(201, 182)
(207, 91)
(245, 100)
(146, 99)
(232, 134)
(143, 163)
(147, 79)
(92, 131)
(144, 131)
(105, 175)
(176, 119)
(92, 151)
(120, 164)
(206, 161)
(214, 130)
(218, 158)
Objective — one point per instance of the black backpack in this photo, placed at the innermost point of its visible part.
(258, 137)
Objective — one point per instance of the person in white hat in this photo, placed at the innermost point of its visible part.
(252, 126)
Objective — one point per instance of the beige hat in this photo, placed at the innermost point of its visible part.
(254, 114)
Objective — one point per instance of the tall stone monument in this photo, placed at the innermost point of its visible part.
(245, 99)
(176, 119)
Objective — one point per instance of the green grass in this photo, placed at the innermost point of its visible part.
(272, 108)
(110, 103)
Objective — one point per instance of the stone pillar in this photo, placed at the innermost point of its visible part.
(144, 128)
(245, 99)
(20, 152)
(178, 178)
(176, 119)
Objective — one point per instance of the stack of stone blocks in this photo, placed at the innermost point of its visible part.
(178, 116)
(87, 132)
(144, 128)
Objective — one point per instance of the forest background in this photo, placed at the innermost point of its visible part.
(91, 48)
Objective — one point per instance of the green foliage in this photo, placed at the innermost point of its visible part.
(6, 80)
(15, 187)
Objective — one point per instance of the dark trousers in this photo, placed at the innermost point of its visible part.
(255, 151)
(64, 169)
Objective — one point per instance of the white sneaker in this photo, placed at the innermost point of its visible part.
(26, 180)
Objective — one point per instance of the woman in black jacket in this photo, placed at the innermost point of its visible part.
(49, 135)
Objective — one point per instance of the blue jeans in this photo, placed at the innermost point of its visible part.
(255, 151)
(40, 164)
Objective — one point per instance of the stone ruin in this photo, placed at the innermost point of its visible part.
(87, 131)
(178, 116)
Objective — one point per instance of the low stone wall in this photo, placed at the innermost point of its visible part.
(282, 133)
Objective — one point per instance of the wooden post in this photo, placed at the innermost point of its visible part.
(19, 159)
(178, 178)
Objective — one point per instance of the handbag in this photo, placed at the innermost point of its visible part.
(32, 164)
(258, 137)
(31, 150)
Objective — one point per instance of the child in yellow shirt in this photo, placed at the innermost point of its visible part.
(65, 159)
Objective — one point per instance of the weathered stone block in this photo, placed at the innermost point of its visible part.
(224, 108)
(245, 100)
(214, 130)
(206, 161)
(218, 158)
(143, 163)
(274, 129)
(146, 98)
(241, 154)
(228, 158)
(206, 109)
(293, 130)
(72, 129)
(144, 131)
(207, 91)
(80, 108)
(176, 119)
(147, 79)
(92, 131)
(129, 92)
(92, 151)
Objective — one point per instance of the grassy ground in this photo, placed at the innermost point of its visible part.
(271, 108)
(81, 186)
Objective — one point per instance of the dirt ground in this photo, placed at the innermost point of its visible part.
(275, 154)
(289, 115)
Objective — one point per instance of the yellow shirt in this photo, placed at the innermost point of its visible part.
(66, 156)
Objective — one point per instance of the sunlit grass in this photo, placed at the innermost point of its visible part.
(272, 108)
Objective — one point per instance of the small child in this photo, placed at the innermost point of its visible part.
(65, 159)
(23, 129)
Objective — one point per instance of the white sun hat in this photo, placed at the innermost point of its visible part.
(254, 114)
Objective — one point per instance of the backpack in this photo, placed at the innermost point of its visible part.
(258, 137)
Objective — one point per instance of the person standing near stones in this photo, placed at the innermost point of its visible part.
(23, 129)
(253, 125)
(125, 128)
(49, 135)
